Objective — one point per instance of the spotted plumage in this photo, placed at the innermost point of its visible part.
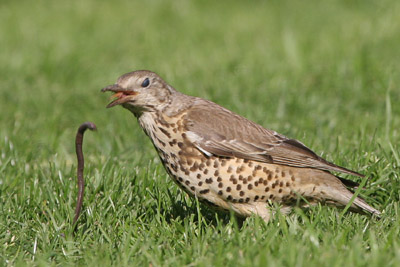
(225, 159)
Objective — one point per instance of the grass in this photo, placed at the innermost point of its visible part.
(326, 73)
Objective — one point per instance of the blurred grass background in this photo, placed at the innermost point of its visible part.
(324, 72)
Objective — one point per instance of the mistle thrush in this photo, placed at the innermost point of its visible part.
(226, 160)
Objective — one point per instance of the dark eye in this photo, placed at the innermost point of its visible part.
(146, 82)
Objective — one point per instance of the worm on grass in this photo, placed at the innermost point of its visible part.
(81, 165)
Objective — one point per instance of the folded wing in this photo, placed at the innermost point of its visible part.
(217, 131)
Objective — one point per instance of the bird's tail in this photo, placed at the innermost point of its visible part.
(359, 204)
(341, 196)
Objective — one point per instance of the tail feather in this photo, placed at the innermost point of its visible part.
(361, 204)
(341, 196)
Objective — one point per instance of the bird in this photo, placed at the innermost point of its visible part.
(226, 160)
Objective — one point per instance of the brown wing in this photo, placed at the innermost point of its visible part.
(218, 131)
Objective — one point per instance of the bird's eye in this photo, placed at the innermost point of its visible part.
(146, 82)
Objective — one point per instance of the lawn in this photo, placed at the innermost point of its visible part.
(324, 72)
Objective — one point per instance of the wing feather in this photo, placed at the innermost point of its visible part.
(218, 131)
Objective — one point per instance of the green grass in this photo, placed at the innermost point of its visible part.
(324, 72)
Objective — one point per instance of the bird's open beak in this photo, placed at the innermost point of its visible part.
(121, 95)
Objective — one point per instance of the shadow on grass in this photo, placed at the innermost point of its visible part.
(211, 215)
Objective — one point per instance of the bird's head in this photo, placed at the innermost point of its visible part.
(140, 91)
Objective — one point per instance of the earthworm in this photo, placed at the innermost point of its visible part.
(81, 164)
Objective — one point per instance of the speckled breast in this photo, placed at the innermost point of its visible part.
(219, 180)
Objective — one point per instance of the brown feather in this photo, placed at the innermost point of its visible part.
(223, 133)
